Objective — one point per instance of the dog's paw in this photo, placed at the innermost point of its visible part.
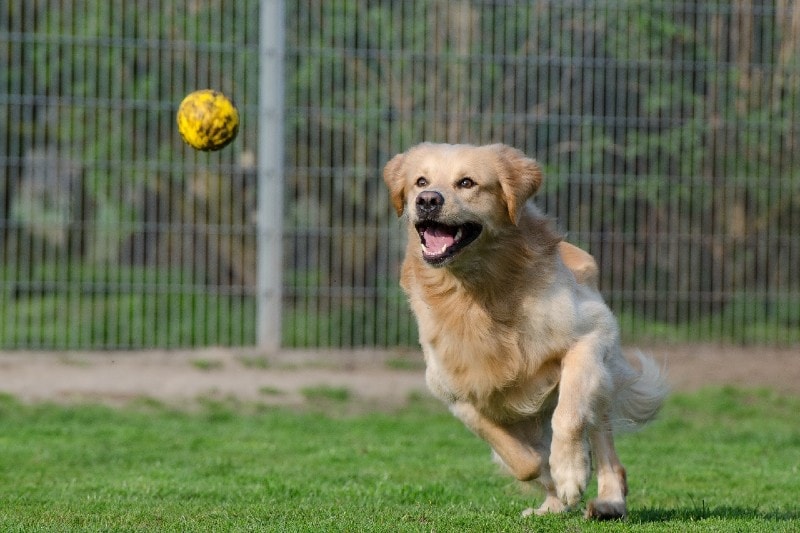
(551, 505)
(569, 468)
(605, 510)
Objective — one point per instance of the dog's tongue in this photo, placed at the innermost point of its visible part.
(438, 238)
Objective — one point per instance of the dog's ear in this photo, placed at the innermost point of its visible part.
(394, 180)
(520, 178)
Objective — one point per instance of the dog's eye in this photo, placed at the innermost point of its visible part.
(422, 181)
(466, 183)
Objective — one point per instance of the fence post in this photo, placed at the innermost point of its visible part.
(270, 174)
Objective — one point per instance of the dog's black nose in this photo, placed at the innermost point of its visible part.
(429, 203)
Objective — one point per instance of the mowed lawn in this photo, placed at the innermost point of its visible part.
(719, 460)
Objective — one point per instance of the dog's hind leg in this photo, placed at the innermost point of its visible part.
(612, 486)
(581, 263)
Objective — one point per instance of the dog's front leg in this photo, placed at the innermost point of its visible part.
(524, 462)
(583, 393)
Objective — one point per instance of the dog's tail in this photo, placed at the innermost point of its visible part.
(639, 395)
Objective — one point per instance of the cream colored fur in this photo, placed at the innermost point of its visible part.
(517, 339)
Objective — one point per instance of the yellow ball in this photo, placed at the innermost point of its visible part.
(207, 120)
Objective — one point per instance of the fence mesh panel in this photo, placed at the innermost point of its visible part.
(669, 132)
(113, 234)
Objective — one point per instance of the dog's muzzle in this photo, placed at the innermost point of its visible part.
(440, 242)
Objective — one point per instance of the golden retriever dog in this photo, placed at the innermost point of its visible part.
(517, 339)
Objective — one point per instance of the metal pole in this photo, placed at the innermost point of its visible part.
(270, 174)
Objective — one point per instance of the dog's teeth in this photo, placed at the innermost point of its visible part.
(444, 248)
(458, 235)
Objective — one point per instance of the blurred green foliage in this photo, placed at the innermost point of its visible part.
(669, 133)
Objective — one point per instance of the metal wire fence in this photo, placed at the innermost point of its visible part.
(669, 132)
(113, 234)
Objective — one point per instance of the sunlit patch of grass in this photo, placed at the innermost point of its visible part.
(207, 364)
(327, 393)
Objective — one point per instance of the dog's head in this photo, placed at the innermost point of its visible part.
(456, 195)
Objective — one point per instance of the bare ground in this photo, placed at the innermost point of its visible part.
(374, 378)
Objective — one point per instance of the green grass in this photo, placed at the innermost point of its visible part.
(745, 319)
(324, 393)
(722, 460)
(85, 306)
(271, 391)
(406, 362)
(76, 306)
(260, 362)
(208, 365)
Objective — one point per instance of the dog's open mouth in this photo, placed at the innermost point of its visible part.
(441, 242)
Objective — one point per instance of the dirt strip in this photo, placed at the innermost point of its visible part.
(380, 378)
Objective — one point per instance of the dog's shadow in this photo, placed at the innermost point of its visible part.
(655, 514)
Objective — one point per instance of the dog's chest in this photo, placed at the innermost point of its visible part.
(470, 354)
(508, 367)
(499, 378)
